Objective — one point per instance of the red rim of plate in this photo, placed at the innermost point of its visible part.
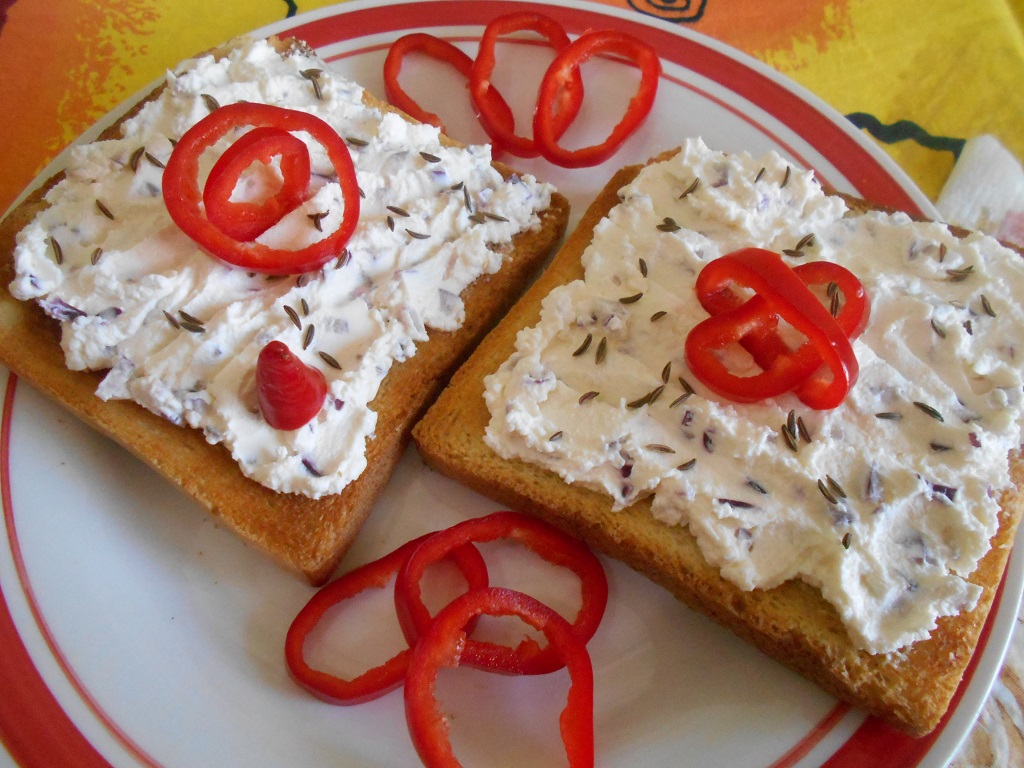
(39, 733)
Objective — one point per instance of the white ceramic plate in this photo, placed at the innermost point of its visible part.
(136, 632)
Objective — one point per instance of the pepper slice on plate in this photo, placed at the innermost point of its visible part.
(547, 542)
(820, 370)
(381, 679)
(243, 220)
(444, 645)
(567, 100)
(499, 112)
(547, 124)
(184, 199)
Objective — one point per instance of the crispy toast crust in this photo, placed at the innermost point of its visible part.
(791, 623)
(306, 535)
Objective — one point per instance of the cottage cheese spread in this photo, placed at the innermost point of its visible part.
(119, 280)
(910, 497)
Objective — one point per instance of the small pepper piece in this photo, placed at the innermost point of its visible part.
(547, 125)
(821, 370)
(375, 682)
(444, 646)
(543, 539)
(184, 198)
(567, 100)
(290, 392)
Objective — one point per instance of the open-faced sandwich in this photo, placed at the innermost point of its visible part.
(800, 415)
(281, 271)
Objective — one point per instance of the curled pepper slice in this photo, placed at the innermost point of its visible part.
(560, 75)
(498, 111)
(184, 198)
(243, 220)
(567, 100)
(386, 677)
(443, 646)
(543, 539)
(821, 370)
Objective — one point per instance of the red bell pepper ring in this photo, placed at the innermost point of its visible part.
(560, 75)
(379, 680)
(184, 198)
(489, 99)
(567, 100)
(546, 541)
(243, 220)
(765, 344)
(821, 370)
(444, 646)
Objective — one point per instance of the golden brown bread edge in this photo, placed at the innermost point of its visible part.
(309, 536)
(791, 623)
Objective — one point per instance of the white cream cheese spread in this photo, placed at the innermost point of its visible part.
(180, 332)
(886, 503)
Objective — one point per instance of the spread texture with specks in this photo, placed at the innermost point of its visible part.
(886, 503)
(180, 332)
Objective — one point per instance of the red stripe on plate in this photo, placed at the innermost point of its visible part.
(33, 725)
(876, 743)
(823, 728)
(869, 178)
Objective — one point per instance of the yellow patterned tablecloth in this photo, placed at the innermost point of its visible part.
(921, 76)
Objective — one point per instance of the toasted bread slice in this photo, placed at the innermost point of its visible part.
(307, 535)
(791, 623)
